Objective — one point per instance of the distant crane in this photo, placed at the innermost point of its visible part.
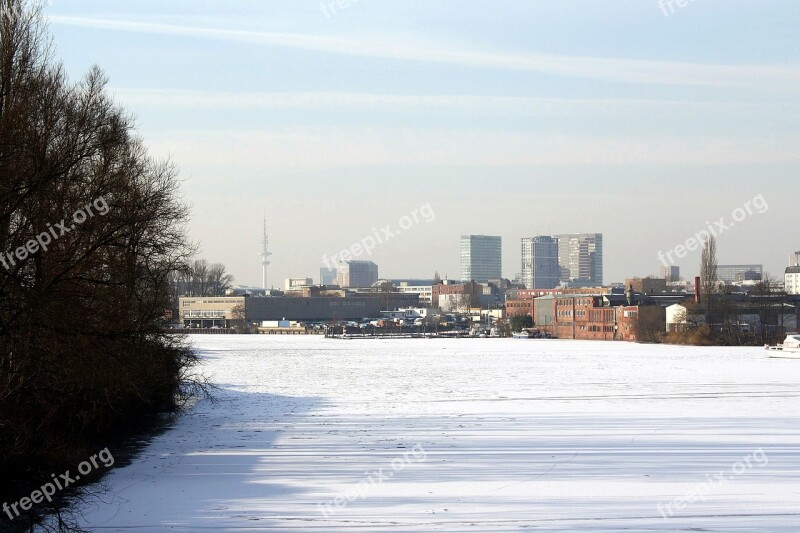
(265, 254)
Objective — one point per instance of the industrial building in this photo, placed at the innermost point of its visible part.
(233, 312)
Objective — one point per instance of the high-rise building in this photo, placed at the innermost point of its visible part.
(739, 273)
(540, 263)
(327, 276)
(670, 273)
(357, 274)
(580, 256)
(481, 258)
(794, 259)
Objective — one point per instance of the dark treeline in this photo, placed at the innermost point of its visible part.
(718, 321)
(90, 235)
(198, 278)
(726, 317)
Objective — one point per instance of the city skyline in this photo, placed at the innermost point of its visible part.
(328, 275)
(521, 119)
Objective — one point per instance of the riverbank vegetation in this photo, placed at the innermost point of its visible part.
(91, 229)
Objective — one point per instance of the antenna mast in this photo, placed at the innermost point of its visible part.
(265, 254)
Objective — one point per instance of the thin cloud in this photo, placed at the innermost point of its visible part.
(312, 100)
(335, 147)
(608, 69)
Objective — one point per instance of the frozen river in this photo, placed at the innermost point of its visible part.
(310, 434)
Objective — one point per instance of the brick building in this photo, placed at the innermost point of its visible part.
(581, 316)
(471, 288)
(520, 302)
(520, 307)
(584, 317)
(627, 316)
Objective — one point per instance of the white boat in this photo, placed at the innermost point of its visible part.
(790, 349)
(531, 334)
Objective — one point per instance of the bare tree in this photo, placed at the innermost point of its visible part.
(727, 314)
(768, 301)
(199, 277)
(219, 281)
(709, 278)
(91, 229)
(470, 297)
(650, 324)
(465, 301)
(239, 315)
(504, 328)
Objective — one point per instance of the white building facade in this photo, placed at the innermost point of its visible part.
(425, 292)
(791, 280)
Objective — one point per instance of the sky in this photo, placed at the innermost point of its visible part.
(409, 123)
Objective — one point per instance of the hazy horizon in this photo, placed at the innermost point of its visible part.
(504, 118)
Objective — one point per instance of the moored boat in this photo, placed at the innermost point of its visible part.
(790, 349)
(531, 334)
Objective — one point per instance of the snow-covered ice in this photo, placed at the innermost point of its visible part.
(509, 434)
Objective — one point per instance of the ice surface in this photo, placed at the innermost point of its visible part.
(511, 435)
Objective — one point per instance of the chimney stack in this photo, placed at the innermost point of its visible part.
(697, 298)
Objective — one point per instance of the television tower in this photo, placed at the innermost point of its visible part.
(265, 254)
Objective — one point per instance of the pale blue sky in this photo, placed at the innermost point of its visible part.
(514, 118)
